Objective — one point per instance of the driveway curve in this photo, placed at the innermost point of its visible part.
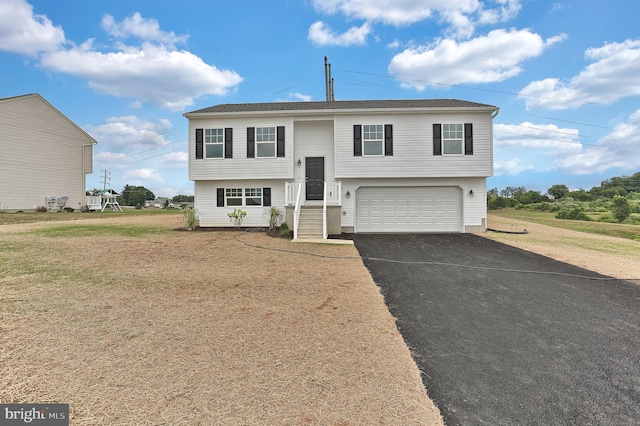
(504, 336)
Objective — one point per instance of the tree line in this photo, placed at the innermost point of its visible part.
(616, 200)
(132, 195)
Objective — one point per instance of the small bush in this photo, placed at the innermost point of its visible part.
(237, 216)
(275, 217)
(573, 214)
(284, 229)
(190, 216)
(41, 209)
(633, 219)
(607, 218)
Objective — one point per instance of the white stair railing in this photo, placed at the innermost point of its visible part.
(296, 211)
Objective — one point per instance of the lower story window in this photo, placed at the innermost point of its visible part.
(233, 196)
(253, 196)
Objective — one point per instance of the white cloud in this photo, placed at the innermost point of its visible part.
(300, 97)
(142, 177)
(130, 130)
(321, 35)
(494, 57)
(25, 33)
(617, 150)
(461, 15)
(530, 135)
(613, 75)
(151, 73)
(511, 167)
(112, 159)
(174, 159)
(141, 28)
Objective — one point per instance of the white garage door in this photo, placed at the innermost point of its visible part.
(409, 209)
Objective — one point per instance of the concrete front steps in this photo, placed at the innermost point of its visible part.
(310, 223)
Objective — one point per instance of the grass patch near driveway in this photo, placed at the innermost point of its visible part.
(630, 232)
(609, 255)
(163, 327)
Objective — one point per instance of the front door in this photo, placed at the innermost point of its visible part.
(314, 178)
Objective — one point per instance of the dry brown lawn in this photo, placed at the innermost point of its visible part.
(155, 326)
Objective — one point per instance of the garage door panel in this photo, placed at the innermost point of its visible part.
(409, 209)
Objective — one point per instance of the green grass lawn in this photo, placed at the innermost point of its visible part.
(631, 232)
(8, 218)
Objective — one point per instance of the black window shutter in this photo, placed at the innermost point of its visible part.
(220, 197)
(280, 141)
(228, 143)
(468, 139)
(199, 143)
(251, 145)
(357, 140)
(437, 139)
(266, 197)
(388, 139)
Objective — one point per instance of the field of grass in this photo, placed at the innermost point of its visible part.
(9, 218)
(631, 232)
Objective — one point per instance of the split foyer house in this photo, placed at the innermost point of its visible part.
(44, 156)
(344, 166)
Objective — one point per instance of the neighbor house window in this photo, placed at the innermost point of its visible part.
(266, 141)
(372, 139)
(214, 143)
(233, 196)
(253, 196)
(452, 139)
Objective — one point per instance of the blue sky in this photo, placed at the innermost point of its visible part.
(565, 74)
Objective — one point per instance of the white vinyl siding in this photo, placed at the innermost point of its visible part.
(241, 167)
(212, 215)
(474, 205)
(413, 148)
(43, 154)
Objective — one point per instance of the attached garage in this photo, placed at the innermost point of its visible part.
(409, 209)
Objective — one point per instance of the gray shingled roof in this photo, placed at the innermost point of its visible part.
(341, 105)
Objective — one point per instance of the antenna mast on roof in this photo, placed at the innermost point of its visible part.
(328, 81)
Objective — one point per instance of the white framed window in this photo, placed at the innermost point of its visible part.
(253, 196)
(372, 139)
(452, 139)
(214, 143)
(265, 141)
(233, 196)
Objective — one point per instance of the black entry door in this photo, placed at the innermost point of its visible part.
(315, 178)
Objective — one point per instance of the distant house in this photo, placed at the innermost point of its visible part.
(345, 166)
(44, 156)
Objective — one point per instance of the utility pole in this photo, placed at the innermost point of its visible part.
(328, 81)
(106, 176)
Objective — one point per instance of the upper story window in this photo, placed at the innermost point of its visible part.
(372, 139)
(452, 139)
(214, 143)
(266, 141)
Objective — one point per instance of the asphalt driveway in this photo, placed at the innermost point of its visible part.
(528, 342)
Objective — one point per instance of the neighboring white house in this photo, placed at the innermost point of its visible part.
(43, 155)
(361, 166)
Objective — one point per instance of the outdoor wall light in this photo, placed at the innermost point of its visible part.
(299, 162)
(471, 192)
(348, 194)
